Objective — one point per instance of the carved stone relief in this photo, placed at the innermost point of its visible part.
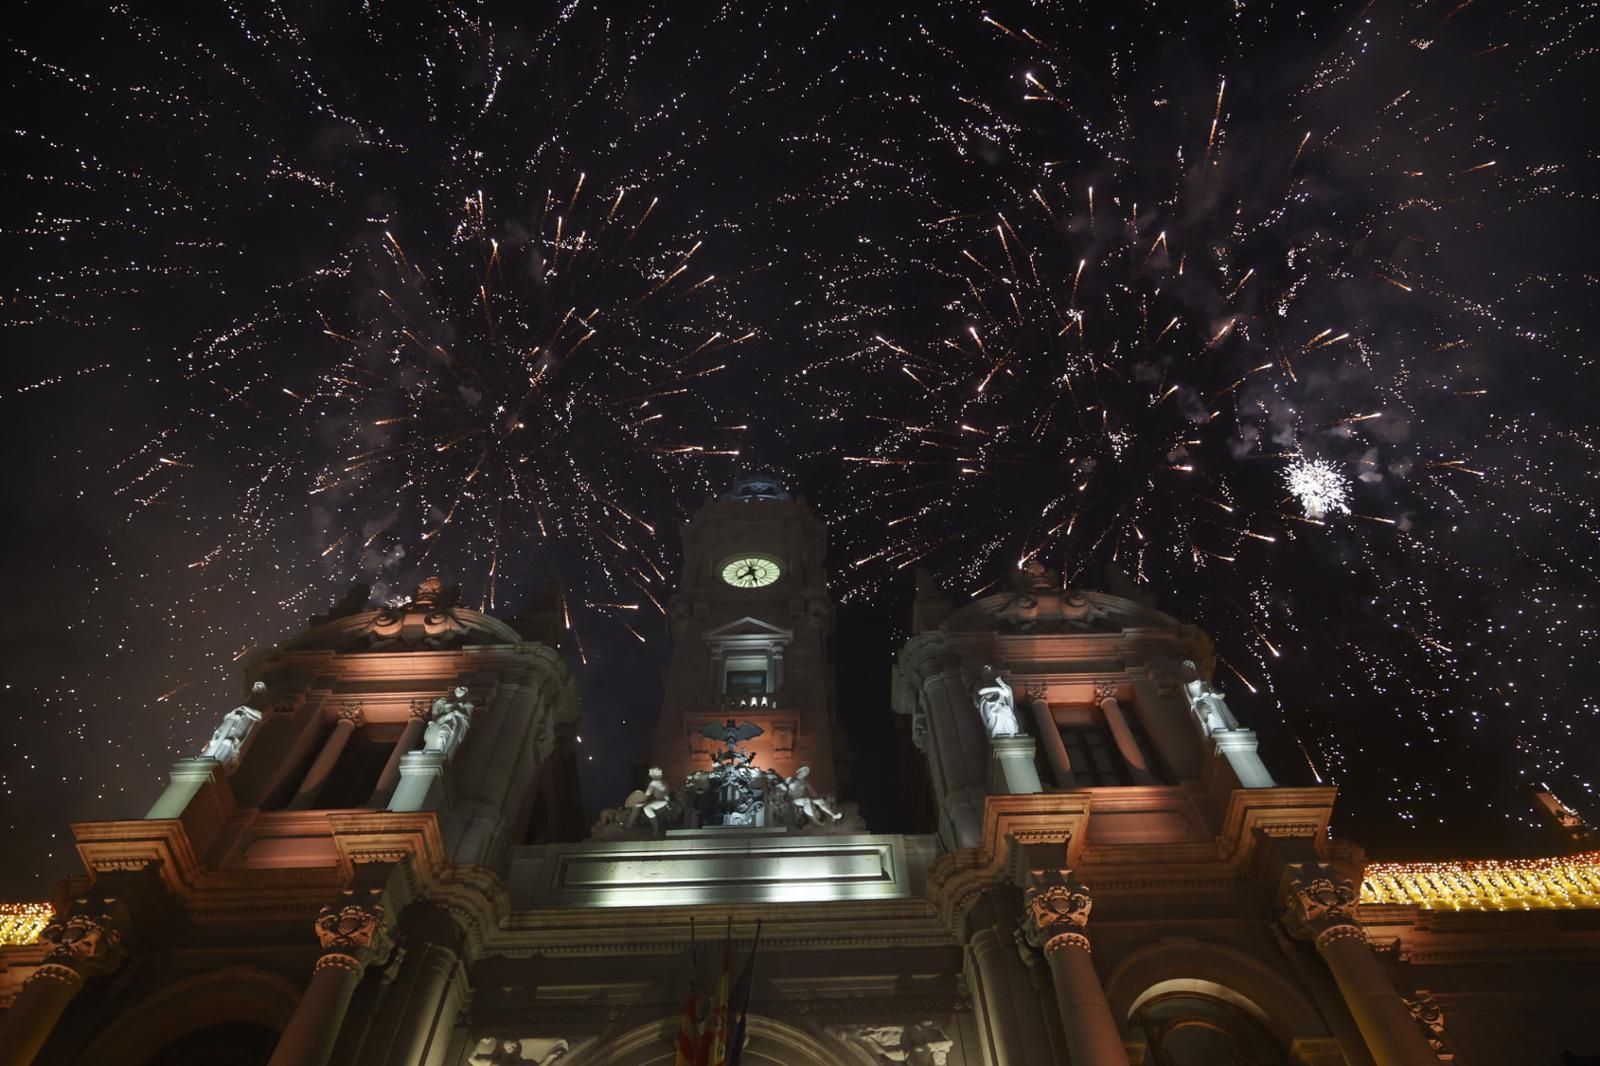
(919, 1044)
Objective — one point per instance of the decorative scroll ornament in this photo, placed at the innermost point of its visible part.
(1056, 912)
(1318, 901)
(352, 930)
(1039, 604)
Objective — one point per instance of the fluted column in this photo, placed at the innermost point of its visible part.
(409, 739)
(1138, 766)
(1050, 737)
(1056, 915)
(352, 934)
(87, 944)
(1320, 906)
(317, 776)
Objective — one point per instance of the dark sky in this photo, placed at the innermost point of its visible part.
(289, 301)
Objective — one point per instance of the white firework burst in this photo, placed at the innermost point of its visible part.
(1319, 487)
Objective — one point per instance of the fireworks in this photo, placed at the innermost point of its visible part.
(1272, 312)
(1319, 487)
(1184, 273)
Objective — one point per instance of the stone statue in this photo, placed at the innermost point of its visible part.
(448, 729)
(997, 706)
(1205, 701)
(807, 800)
(228, 740)
(650, 801)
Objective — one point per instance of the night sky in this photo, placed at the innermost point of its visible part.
(1283, 314)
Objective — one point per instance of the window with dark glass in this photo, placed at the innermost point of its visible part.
(747, 682)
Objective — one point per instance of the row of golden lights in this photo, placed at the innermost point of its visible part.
(1569, 881)
(1566, 881)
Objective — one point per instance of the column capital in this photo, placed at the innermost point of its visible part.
(1056, 911)
(1319, 905)
(86, 942)
(1105, 690)
(421, 710)
(351, 712)
(1033, 689)
(352, 933)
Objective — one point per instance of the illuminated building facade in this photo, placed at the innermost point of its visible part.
(377, 861)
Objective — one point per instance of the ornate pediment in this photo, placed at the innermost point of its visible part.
(430, 619)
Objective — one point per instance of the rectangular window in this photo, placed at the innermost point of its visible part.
(747, 683)
(747, 675)
(1092, 750)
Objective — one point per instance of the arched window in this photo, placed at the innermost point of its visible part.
(1187, 1029)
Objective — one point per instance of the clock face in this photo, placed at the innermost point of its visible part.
(750, 571)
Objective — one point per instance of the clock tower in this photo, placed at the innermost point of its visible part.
(750, 626)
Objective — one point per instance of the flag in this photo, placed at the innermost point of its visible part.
(689, 1029)
(715, 1047)
(741, 996)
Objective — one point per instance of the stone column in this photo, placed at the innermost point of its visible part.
(407, 743)
(352, 934)
(86, 944)
(1320, 907)
(1138, 767)
(1056, 913)
(1050, 737)
(317, 776)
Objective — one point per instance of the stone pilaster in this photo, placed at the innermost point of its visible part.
(87, 942)
(1056, 917)
(352, 934)
(1320, 906)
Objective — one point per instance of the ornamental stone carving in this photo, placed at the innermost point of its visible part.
(351, 712)
(1056, 912)
(1319, 904)
(351, 931)
(1430, 1016)
(1039, 603)
(921, 1044)
(84, 943)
